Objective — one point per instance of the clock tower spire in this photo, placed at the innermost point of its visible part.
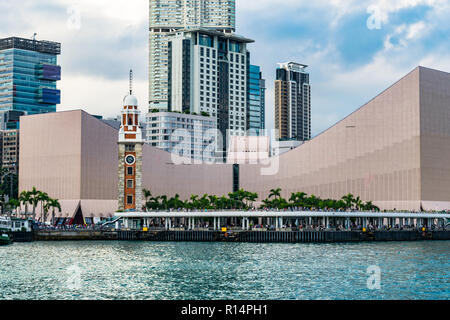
(130, 155)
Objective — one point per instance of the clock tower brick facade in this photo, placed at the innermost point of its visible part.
(130, 156)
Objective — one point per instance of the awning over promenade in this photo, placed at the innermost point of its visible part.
(281, 214)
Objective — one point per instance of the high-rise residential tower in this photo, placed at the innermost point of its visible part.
(168, 16)
(208, 76)
(28, 75)
(292, 102)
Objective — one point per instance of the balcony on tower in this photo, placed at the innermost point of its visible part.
(49, 72)
(49, 96)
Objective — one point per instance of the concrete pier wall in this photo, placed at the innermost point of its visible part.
(245, 236)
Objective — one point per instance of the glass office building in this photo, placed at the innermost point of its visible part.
(28, 75)
(256, 97)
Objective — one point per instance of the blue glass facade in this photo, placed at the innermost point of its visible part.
(28, 76)
(255, 100)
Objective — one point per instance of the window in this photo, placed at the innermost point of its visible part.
(129, 199)
(130, 184)
(129, 171)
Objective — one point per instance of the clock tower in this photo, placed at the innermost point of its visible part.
(130, 155)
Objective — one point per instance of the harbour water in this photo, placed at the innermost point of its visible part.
(145, 270)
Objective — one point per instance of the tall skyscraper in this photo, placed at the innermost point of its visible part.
(28, 75)
(168, 16)
(292, 102)
(208, 75)
(256, 100)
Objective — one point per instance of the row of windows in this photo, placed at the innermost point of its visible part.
(182, 120)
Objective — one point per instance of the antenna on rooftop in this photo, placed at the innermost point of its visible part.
(131, 81)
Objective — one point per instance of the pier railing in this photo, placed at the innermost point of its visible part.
(276, 220)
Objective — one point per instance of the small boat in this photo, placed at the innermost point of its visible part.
(4, 240)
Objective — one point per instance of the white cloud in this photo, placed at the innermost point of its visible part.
(416, 30)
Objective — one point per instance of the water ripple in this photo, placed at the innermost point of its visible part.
(142, 270)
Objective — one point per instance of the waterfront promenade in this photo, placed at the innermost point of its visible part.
(281, 220)
(262, 227)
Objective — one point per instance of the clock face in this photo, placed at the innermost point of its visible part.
(130, 160)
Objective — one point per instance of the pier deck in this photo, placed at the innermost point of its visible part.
(244, 236)
(281, 220)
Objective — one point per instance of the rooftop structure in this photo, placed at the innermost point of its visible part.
(28, 75)
(41, 46)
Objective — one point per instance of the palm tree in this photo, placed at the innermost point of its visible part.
(153, 203)
(241, 195)
(53, 204)
(274, 199)
(223, 203)
(329, 204)
(349, 200)
(298, 199)
(44, 199)
(194, 204)
(164, 202)
(267, 204)
(233, 196)
(252, 197)
(34, 199)
(369, 206)
(147, 194)
(214, 201)
(313, 201)
(204, 202)
(175, 202)
(358, 203)
(187, 204)
(280, 203)
(275, 193)
(25, 199)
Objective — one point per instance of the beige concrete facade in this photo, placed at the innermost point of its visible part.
(74, 158)
(373, 153)
(435, 138)
(248, 150)
(394, 150)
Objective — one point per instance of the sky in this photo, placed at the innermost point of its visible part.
(354, 48)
